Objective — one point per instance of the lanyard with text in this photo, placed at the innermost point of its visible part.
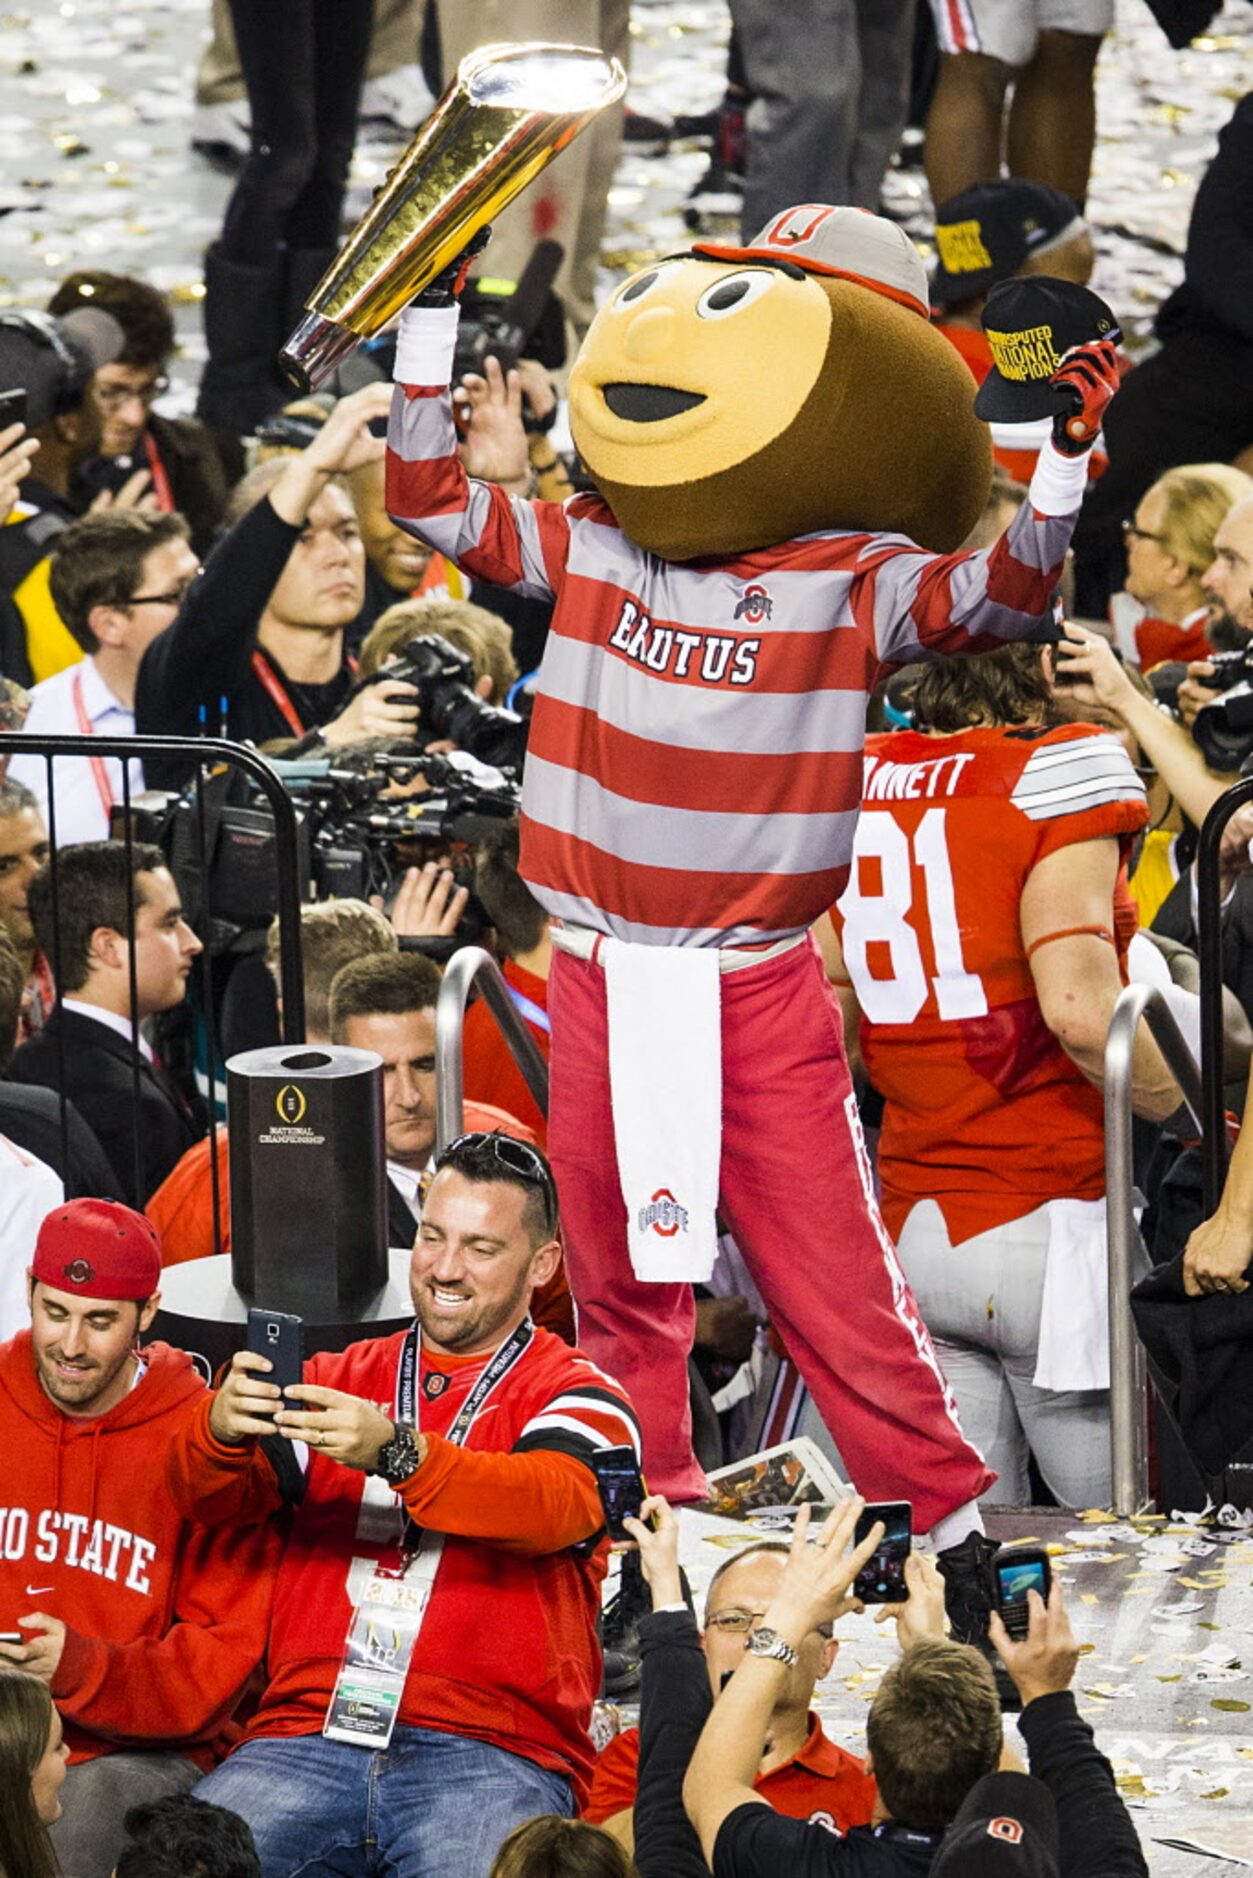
(388, 1610)
(104, 788)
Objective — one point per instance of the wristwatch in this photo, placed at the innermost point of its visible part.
(766, 1642)
(399, 1457)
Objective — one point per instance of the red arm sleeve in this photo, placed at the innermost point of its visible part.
(217, 1485)
(529, 1503)
(183, 1686)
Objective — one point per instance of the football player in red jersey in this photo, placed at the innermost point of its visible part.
(983, 937)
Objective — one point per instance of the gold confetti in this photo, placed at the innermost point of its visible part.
(1230, 1706)
(1216, 1793)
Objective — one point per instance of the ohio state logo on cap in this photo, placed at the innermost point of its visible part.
(79, 1272)
(1008, 1829)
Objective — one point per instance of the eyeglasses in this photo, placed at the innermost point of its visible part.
(174, 598)
(737, 1623)
(1141, 534)
(522, 1160)
(113, 397)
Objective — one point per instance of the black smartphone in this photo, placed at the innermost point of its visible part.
(279, 1336)
(622, 1490)
(1018, 1570)
(881, 1579)
(12, 407)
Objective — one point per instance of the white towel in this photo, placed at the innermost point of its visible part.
(665, 1078)
(1073, 1351)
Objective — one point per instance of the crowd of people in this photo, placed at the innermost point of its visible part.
(815, 862)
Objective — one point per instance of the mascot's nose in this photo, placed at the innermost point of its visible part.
(650, 333)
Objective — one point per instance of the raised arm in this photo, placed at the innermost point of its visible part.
(494, 536)
(928, 605)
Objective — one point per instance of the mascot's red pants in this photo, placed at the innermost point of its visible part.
(796, 1195)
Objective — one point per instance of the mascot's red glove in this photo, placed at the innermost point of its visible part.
(446, 288)
(1089, 377)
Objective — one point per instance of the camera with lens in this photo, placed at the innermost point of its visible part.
(449, 706)
(1223, 729)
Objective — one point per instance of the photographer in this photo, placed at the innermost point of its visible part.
(256, 651)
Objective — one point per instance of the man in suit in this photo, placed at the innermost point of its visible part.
(92, 1046)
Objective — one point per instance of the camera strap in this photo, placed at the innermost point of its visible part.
(389, 1607)
(278, 694)
(100, 775)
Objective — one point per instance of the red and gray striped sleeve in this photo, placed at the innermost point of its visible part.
(491, 535)
(920, 605)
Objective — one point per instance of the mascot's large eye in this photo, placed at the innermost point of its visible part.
(637, 288)
(733, 293)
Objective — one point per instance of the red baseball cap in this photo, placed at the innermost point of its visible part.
(99, 1249)
(851, 244)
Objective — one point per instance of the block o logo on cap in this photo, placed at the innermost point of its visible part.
(79, 1272)
(1008, 1829)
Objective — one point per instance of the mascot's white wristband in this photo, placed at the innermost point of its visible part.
(425, 345)
(1057, 482)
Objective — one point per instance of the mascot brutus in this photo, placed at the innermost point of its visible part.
(787, 458)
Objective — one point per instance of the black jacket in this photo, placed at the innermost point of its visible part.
(100, 1081)
(204, 659)
(1097, 1838)
(1204, 1348)
(1216, 294)
(31, 1117)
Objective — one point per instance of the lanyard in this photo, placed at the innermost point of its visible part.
(502, 1362)
(104, 788)
(533, 1012)
(160, 481)
(264, 672)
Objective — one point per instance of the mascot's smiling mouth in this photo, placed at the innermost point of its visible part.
(648, 404)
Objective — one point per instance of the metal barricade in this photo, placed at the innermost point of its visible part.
(467, 966)
(198, 753)
(1215, 1147)
(1128, 1375)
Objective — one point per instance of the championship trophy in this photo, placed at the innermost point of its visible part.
(510, 110)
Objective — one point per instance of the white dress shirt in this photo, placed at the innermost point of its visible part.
(80, 810)
(409, 1182)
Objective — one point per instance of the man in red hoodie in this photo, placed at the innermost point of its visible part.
(144, 1626)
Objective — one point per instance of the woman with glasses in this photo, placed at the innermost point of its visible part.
(1163, 611)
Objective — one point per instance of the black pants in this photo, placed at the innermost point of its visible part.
(303, 64)
(1192, 402)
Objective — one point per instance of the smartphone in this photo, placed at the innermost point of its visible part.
(1018, 1570)
(881, 1579)
(12, 407)
(622, 1490)
(280, 1337)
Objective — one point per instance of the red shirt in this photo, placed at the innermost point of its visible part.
(824, 1784)
(489, 1073)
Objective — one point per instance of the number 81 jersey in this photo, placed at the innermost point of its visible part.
(985, 1113)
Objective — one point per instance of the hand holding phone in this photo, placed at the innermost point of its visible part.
(1018, 1570)
(622, 1490)
(881, 1579)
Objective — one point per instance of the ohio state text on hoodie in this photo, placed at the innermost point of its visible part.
(166, 1620)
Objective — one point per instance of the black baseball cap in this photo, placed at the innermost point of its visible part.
(1030, 324)
(986, 233)
(1006, 1827)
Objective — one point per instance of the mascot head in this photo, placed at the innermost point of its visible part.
(731, 398)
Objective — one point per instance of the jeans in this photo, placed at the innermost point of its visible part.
(432, 1805)
(97, 1795)
(981, 1302)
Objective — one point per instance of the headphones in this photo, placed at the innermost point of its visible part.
(76, 372)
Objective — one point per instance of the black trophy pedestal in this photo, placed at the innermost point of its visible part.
(202, 1312)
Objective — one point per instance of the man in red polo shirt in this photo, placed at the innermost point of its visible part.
(802, 1774)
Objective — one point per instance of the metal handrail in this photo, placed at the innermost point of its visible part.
(1215, 1146)
(1128, 1375)
(197, 751)
(467, 966)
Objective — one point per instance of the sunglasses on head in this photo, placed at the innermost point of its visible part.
(522, 1160)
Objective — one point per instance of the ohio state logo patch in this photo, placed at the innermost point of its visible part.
(79, 1272)
(754, 605)
(663, 1215)
(434, 1385)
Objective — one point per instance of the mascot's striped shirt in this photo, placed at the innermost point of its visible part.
(695, 760)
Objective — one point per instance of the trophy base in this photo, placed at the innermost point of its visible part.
(314, 351)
